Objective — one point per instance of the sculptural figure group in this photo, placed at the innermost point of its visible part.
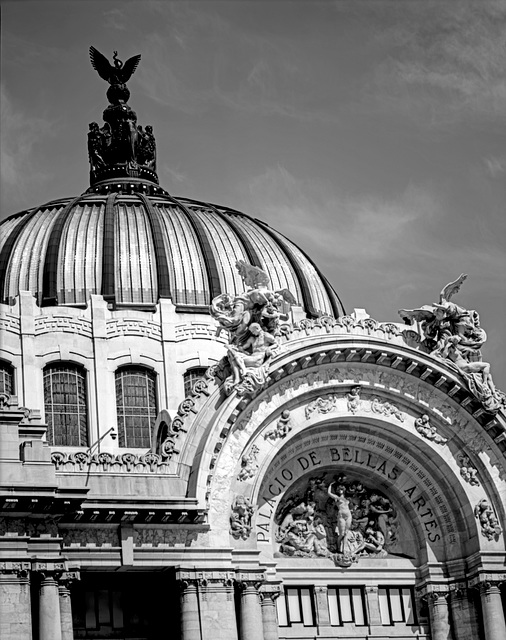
(340, 520)
(251, 320)
(455, 335)
(121, 141)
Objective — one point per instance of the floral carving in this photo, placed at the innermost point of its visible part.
(84, 536)
(168, 537)
(424, 427)
(84, 461)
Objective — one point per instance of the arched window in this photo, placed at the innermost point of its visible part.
(190, 378)
(6, 378)
(65, 405)
(136, 406)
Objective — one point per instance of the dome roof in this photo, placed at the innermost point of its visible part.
(135, 248)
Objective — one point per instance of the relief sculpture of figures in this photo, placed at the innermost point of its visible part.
(337, 519)
(455, 335)
(251, 320)
(240, 518)
(424, 427)
(489, 523)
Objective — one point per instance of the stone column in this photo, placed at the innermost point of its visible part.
(268, 595)
(217, 605)
(439, 616)
(15, 605)
(322, 606)
(190, 613)
(464, 614)
(67, 627)
(49, 609)
(250, 612)
(493, 612)
(372, 605)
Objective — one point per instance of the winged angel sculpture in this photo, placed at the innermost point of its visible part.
(454, 334)
(117, 74)
(252, 320)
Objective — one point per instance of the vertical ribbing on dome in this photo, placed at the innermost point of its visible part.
(249, 249)
(162, 267)
(205, 245)
(5, 254)
(50, 273)
(108, 266)
(307, 299)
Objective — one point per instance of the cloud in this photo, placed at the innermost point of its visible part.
(115, 19)
(19, 134)
(441, 62)
(495, 166)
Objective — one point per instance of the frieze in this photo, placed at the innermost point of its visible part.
(86, 536)
(322, 405)
(65, 324)
(9, 323)
(163, 537)
(131, 327)
(84, 461)
(30, 527)
(194, 330)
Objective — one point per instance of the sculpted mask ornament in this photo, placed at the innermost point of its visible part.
(454, 334)
(337, 519)
(252, 321)
(489, 523)
(424, 427)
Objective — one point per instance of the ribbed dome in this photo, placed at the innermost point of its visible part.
(136, 248)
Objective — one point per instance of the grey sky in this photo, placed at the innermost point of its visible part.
(372, 133)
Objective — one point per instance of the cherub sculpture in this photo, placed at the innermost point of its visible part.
(251, 319)
(427, 430)
(489, 523)
(455, 335)
(240, 518)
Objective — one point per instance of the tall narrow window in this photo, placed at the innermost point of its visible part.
(396, 605)
(136, 406)
(190, 378)
(65, 405)
(296, 606)
(6, 378)
(346, 604)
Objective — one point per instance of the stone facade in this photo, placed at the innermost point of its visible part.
(347, 400)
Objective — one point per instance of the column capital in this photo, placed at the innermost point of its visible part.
(20, 569)
(249, 579)
(67, 578)
(50, 568)
(207, 579)
(492, 579)
(269, 591)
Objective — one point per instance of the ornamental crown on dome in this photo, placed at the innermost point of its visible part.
(121, 148)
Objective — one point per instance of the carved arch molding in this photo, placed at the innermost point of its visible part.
(366, 425)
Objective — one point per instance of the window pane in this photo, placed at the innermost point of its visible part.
(190, 378)
(395, 605)
(91, 617)
(358, 606)
(345, 604)
(282, 613)
(407, 602)
(117, 611)
(333, 608)
(5, 379)
(294, 613)
(65, 405)
(383, 605)
(136, 406)
(307, 607)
